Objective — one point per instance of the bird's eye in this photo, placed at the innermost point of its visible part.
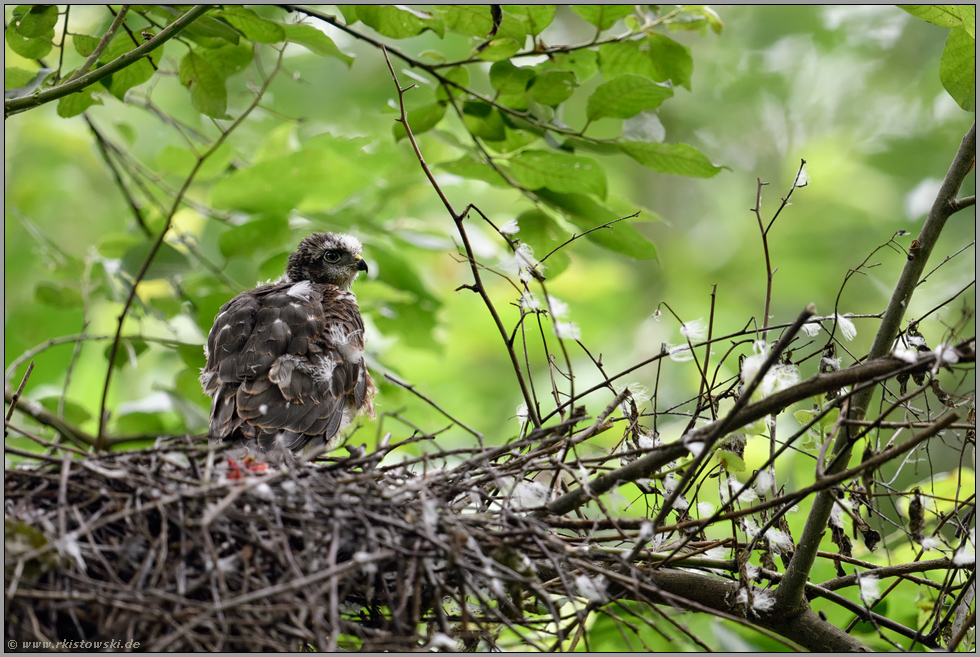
(332, 256)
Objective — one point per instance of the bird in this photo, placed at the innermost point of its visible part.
(285, 363)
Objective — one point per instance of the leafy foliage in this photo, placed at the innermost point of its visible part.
(165, 159)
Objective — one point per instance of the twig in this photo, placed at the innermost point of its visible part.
(458, 220)
(583, 234)
(102, 45)
(16, 396)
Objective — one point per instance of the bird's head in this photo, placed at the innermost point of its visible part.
(327, 258)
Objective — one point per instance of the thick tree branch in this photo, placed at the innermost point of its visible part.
(800, 624)
(790, 591)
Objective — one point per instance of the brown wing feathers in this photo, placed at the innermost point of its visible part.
(285, 366)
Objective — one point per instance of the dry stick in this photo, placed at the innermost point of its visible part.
(791, 589)
(764, 231)
(458, 220)
(37, 99)
(101, 443)
(584, 233)
(16, 395)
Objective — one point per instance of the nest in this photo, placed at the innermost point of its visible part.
(188, 547)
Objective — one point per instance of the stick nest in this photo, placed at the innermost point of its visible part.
(180, 548)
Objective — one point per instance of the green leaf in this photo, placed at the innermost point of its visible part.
(553, 87)
(729, 461)
(76, 103)
(136, 73)
(210, 28)
(14, 78)
(38, 21)
(467, 167)
(208, 93)
(968, 14)
(459, 75)
(84, 44)
(958, 68)
(514, 140)
(583, 63)
(471, 20)
(675, 159)
(246, 239)
(621, 57)
(399, 22)
(167, 262)
(349, 12)
(603, 16)
(536, 17)
(420, 120)
(558, 172)
(514, 101)
(509, 79)
(942, 15)
(671, 60)
(230, 59)
(58, 295)
(483, 120)
(74, 413)
(498, 49)
(696, 18)
(587, 213)
(625, 96)
(477, 21)
(316, 42)
(29, 48)
(251, 25)
(804, 417)
(543, 234)
(512, 26)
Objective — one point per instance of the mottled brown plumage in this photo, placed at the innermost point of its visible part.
(285, 361)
